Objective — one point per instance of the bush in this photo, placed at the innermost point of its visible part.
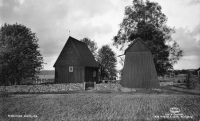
(191, 81)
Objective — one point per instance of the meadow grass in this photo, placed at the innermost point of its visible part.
(98, 106)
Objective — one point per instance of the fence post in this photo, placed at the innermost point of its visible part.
(5, 92)
(84, 85)
(188, 80)
(94, 85)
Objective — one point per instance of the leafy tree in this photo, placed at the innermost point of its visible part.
(19, 54)
(92, 45)
(108, 61)
(3, 50)
(146, 21)
(183, 71)
(176, 72)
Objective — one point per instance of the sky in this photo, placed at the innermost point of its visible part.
(99, 20)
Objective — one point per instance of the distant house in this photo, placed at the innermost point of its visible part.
(76, 64)
(139, 69)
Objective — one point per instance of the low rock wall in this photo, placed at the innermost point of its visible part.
(42, 88)
(166, 83)
(117, 87)
(108, 87)
(67, 87)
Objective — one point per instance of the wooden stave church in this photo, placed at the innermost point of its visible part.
(76, 64)
(139, 69)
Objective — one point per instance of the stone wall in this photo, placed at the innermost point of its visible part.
(107, 87)
(117, 87)
(166, 83)
(42, 88)
(66, 87)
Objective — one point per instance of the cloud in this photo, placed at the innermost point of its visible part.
(180, 13)
(98, 20)
(52, 20)
(188, 62)
(196, 31)
(40, 16)
(194, 2)
(91, 7)
(189, 43)
(7, 8)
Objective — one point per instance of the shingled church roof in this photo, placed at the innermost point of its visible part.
(75, 53)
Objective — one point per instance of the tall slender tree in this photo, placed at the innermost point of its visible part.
(107, 60)
(146, 21)
(19, 54)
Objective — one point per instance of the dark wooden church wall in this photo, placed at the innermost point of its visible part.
(79, 74)
(64, 76)
(89, 74)
(57, 75)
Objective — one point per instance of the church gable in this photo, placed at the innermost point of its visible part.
(138, 46)
(76, 53)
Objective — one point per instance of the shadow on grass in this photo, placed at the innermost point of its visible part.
(30, 93)
(180, 89)
(182, 86)
(61, 92)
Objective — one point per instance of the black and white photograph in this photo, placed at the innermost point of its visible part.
(99, 60)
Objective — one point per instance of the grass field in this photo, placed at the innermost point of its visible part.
(140, 105)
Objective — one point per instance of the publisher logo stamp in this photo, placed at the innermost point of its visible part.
(174, 113)
(174, 110)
